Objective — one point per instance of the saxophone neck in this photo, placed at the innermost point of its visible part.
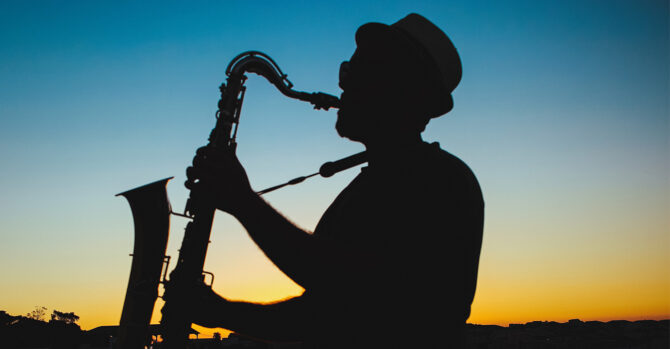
(259, 63)
(232, 94)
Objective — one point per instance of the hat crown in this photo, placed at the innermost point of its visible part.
(438, 46)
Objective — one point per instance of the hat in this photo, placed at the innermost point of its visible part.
(435, 46)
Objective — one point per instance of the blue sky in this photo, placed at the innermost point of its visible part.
(562, 113)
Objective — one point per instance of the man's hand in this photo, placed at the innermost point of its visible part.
(200, 304)
(218, 177)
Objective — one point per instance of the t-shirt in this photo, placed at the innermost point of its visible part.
(409, 237)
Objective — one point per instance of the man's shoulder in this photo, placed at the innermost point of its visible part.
(435, 158)
(444, 173)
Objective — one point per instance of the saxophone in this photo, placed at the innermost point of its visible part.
(151, 215)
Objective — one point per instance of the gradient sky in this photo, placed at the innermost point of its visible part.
(562, 113)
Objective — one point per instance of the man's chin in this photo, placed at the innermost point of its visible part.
(348, 131)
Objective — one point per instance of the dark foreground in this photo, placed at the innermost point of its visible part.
(573, 334)
(22, 332)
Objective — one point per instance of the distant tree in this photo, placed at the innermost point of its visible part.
(38, 314)
(217, 336)
(31, 331)
(7, 319)
(68, 318)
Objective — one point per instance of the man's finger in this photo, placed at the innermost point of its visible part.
(204, 150)
(211, 152)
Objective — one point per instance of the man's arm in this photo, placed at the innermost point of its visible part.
(285, 321)
(300, 255)
(309, 261)
(288, 320)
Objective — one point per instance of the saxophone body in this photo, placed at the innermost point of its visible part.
(151, 211)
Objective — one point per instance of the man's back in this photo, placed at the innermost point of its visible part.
(414, 230)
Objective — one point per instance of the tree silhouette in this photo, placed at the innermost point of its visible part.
(6, 319)
(31, 331)
(38, 314)
(68, 318)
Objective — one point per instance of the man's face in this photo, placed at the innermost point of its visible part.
(367, 83)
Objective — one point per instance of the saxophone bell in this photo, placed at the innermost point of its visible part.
(151, 216)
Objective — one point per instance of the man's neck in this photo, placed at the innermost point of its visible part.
(383, 152)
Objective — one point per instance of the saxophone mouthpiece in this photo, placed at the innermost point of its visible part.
(324, 101)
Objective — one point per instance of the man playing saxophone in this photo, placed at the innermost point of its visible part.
(393, 261)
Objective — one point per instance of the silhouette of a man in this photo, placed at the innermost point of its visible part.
(393, 261)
